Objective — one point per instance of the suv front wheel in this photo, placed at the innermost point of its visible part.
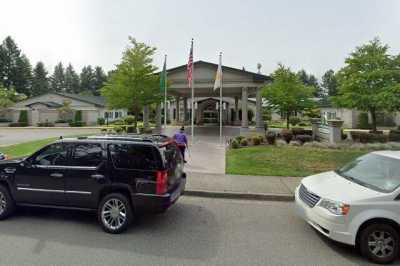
(115, 213)
(380, 243)
(7, 204)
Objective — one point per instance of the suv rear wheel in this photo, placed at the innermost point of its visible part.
(115, 213)
(380, 243)
(7, 204)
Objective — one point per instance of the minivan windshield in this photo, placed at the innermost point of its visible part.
(378, 172)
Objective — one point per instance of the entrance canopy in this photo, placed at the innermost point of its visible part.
(234, 80)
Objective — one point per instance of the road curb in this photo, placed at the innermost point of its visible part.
(239, 195)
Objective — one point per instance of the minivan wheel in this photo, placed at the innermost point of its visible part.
(115, 213)
(7, 204)
(380, 243)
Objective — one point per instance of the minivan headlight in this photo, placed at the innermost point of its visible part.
(335, 207)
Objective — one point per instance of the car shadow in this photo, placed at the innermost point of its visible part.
(185, 231)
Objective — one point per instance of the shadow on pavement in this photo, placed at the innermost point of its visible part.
(185, 231)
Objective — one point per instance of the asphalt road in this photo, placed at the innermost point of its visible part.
(196, 231)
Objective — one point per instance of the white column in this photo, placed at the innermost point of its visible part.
(146, 116)
(177, 105)
(236, 118)
(259, 120)
(245, 122)
(185, 102)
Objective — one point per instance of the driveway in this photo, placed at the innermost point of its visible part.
(10, 136)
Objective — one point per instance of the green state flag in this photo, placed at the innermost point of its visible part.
(163, 77)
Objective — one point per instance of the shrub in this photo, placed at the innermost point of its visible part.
(271, 137)
(118, 122)
(77, 124)
(23, 116)
(301, 131)
(104, 130)
(394, 135)
(118, 129)
(261, 138)
(256, 141)
(45, 124)
(239, 138)
(303, 138)
(287, 135)
(18, 124)
(363, 121)
(62, 121)
(235, 144)
(4, 120)
(129, 120)
(101, 121)
(78, 116)
(294, 120)
(244, 142)
(365, 137)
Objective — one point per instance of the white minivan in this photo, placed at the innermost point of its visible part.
(358, 204)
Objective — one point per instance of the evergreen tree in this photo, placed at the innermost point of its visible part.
(99, 79)
(9, 55)
(23, 76)
(88, 80)
(329, 83)
(72, 83)
(58, 78)
(40, 81)
(311, 80)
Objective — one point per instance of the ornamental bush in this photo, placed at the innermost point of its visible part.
(287, 135)
(129, 120)
(23, 116)
(235, 144)
(256, 141)
(78, 116)
(271, 137)
(244, 142)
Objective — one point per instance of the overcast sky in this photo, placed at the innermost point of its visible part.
(312, 34)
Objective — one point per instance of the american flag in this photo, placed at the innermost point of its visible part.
(190, 66)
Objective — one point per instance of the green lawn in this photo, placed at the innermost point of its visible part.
(286, 161)
(26, 148)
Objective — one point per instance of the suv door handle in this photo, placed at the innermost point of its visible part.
(97, 176)
(56, 175)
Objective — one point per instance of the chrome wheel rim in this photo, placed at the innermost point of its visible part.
(3, 203)
(381, 244)
(113, 214)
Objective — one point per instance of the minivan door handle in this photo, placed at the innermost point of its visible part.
(97, 176)
(57, 175)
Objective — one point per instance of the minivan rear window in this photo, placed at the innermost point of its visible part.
(129, 156)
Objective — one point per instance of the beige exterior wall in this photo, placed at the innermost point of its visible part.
(349, 116)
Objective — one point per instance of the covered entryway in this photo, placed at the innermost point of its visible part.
(241, 94)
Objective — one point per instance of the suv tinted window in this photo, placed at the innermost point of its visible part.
(87, 154)
(55, 154)
(131, 156)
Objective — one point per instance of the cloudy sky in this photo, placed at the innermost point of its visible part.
(312, 34)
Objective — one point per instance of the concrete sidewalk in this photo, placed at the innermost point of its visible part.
(240, 186)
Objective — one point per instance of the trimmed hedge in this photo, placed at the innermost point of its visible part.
(18, 124)
(23, 116)
(365, 137)
(45, 124)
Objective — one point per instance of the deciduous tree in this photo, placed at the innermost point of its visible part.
(133, 84)
(287, 93)
(370, 80)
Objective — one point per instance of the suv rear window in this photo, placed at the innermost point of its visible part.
(172, 155)
(132, 156)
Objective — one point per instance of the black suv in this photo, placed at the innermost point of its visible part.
(118, 176)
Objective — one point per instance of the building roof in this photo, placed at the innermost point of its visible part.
(48, 104)
(96, 100)
(257, 77)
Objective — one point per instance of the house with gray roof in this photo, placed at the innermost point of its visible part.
(45, 108)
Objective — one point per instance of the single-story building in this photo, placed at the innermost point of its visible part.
(46, 108)
(351, 117)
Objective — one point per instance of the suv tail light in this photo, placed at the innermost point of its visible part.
(161, 182)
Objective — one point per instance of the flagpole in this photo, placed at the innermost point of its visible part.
(220, 102)
(165, 94)
(192, 101)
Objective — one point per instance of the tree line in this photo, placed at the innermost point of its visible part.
(17, 73)
(369, 81)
